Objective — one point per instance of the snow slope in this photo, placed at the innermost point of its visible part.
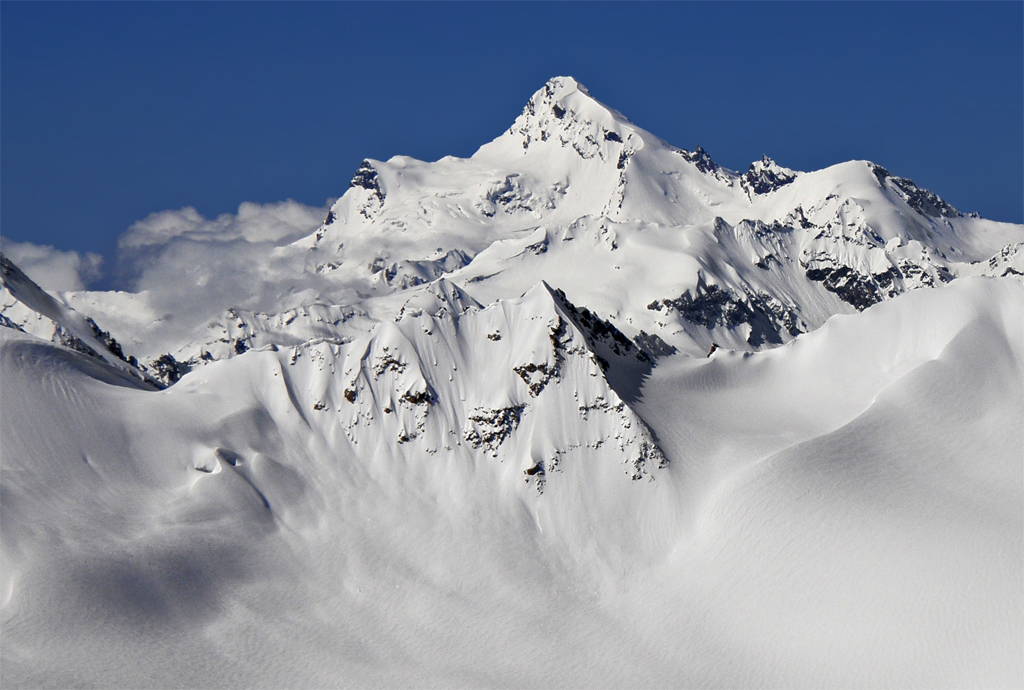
(843, 510)
(468, 432)
(26, 307)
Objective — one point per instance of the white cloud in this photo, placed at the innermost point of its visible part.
(197, 267)
(54, 269)
(185, 239)
(193, 268)
(280, 222)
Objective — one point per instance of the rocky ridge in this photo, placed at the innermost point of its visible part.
(661, 243)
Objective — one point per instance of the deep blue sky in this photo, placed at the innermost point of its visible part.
(113, 111)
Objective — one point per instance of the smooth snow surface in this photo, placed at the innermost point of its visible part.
(467, 433)
(843, 510)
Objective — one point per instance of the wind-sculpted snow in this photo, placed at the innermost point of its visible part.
(508, 380)
(845, 509)
(583, 409)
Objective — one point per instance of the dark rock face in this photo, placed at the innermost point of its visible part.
(862, 290)
(169, 370)
(912, 271)
(765, 176)
(387, 361)
(536, 376)
(538, 474)
(881, 174)
(711, 306)
(858, 290)
(850, 286)
(701, 160)
(62, 336)
(999, 265)
(7, 323)
(921, 200)
(648, 455)
(599, 331)
(492, 427)
(366, 178)
(423, 397)
(110, 343)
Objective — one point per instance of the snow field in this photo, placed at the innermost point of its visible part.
(224, 532)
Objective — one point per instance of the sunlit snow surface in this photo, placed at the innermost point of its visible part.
(844, 510)
(439, 470)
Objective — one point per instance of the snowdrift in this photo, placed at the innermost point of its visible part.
(843, 510)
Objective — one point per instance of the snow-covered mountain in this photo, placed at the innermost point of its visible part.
(26, 307)
(659, 240)
(583, 390)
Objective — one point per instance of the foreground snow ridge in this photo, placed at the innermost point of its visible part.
(582, 410)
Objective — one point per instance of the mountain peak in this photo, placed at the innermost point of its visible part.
(923, 201)
(766, 176)
(563, 111)
(563, 86)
